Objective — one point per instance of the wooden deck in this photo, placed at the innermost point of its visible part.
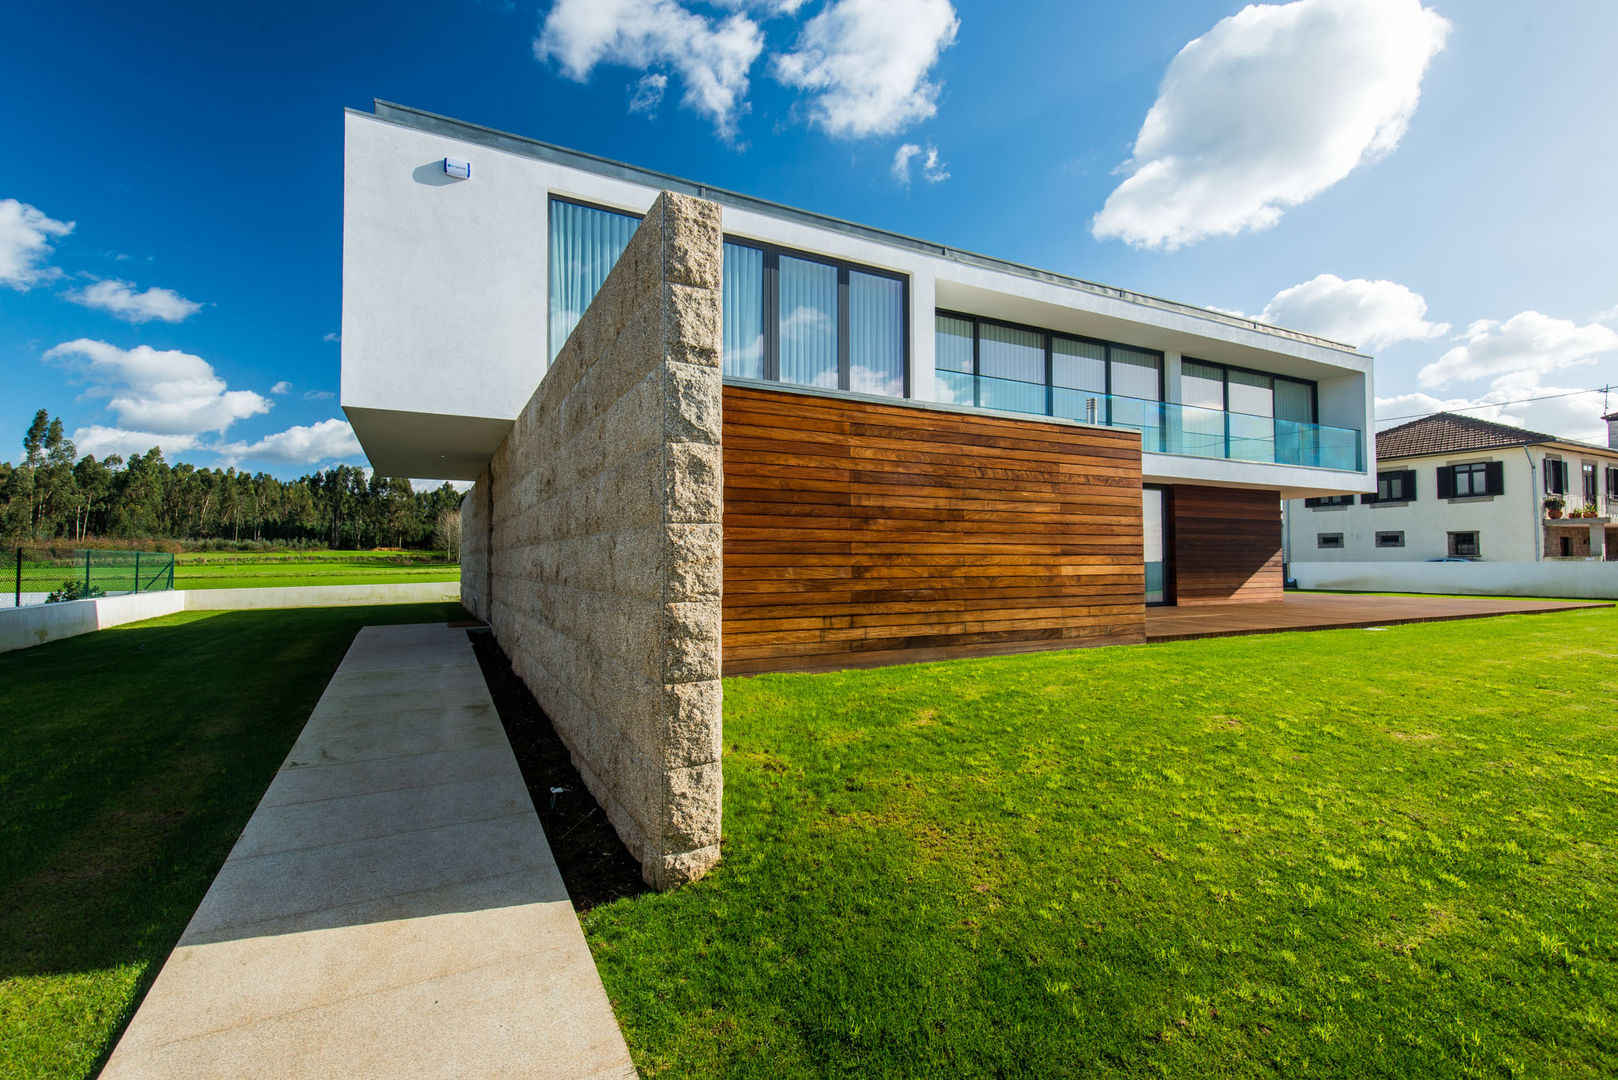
(1328, 611)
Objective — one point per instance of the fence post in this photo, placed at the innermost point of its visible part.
(19, 577)
(87, 572)
(137, 572)
(171, 573)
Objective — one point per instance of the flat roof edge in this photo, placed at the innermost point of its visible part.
(522, 145)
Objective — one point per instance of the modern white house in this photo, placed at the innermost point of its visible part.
(1457, 487)
(461, 283)
(713, 435)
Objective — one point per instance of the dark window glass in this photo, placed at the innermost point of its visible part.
(1471, 480)
(1329, 540)
(1590, 490)
(1464, 545)
(1390, 539)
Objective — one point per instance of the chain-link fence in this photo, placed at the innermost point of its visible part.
(45, 575)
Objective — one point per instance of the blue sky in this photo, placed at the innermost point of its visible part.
(1431, 180)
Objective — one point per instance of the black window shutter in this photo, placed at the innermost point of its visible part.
(1446, 481)
(1311, 502)
(1495, 477)
(1408, 490)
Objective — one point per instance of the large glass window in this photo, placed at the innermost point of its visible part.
(795, 319)
(1202, 386)
(876, 334)
(953, 353)
(819, 323)
(1082, 366)
(1025, 369)
(743, 311)
(807, 327)
(585, 242)
(1011, 366)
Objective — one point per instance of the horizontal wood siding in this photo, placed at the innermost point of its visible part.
(1227, 545)
(860, 533)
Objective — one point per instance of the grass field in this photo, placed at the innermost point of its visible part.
(1350, 853)
(130, 759)
(254, 570)
(287, 575)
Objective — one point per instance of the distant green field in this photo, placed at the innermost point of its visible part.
(256, 570)
(295, 569)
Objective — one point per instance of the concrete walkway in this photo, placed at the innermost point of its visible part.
(392, 908)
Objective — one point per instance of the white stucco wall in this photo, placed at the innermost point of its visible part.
(1577, 580)
(1510, 526)
(445, 303)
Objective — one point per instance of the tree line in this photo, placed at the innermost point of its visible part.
(52, 494)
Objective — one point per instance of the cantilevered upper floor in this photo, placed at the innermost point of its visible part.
(469, 254)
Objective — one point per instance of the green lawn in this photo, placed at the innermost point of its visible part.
(1357, 853)
(130, 759)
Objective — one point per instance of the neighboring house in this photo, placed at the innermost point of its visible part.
(1452, 486)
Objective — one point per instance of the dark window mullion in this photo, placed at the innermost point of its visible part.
(842, 327)
(772, 315)
(1050, 377)
(977, 374)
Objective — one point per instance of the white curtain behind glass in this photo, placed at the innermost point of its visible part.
(585, 243)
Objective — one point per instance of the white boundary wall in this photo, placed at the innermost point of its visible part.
(23, 627)
(1595, 580)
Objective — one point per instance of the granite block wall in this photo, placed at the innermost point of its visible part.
(599, 570)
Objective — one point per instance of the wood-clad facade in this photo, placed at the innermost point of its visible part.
(858, 532)
(1225, 545)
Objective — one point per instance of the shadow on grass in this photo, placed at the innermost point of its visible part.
(130, 760)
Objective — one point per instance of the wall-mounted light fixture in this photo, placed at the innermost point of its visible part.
(461, 170)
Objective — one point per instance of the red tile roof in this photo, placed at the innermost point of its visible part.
(1448, 433)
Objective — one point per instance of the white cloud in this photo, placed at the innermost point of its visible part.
(868, 63)
(1368, 314)
(1271, 107)
(901, 161)
(767, 8)
(282, 387)
(120, 298)
(1528, 344)
(712, 57)
(168, 392)
(100, 441)
(317, 395)
(932, 169)
(302, 445)
(648, 94)
(423, 486)
(1608, 316)
(25, 244)
(333, 336)
(1569, 412)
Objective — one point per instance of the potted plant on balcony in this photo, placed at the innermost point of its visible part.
(1553, 506)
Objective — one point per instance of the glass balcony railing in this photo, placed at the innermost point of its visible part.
(1168, 428)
